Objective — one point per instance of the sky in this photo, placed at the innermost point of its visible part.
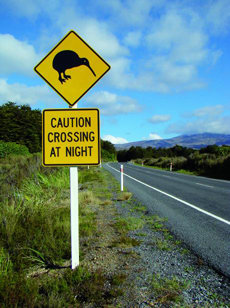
(170, 62)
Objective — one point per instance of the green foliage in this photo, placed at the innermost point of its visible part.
(46, 224)
(153, 153)
(129, 224)
(14, 169)
(35, 244)
(108, 151)
(22, 125)
(108, 146)
(18, 291)
(12, 148)
(212, 161)
(107, 156)
(168, 290)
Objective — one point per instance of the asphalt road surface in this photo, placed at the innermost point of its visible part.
(197, 208)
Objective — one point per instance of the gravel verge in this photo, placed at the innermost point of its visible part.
(166, 273)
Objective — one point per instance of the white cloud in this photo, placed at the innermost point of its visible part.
(219, 125)
(114, 140)
(112, 104)
(159, 118)
(102, 39)
(31, 9)
(130, 12)
(133, 38)
(177, 34)
(209, 111)
(217, 16)
(179, 45)
(169, 34)
(207, 119)
(152, 136)
(16, 56)
(23, 94)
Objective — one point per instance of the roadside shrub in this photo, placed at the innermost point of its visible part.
(12, 148)
(179, 162)
(14, 169)
(107, 156)
(139, 161)
(163, 162)
(218, 168)
(209, 165)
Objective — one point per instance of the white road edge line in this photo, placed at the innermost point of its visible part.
(175, 198)
(205, 185)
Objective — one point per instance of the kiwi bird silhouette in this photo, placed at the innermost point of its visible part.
(67, 59)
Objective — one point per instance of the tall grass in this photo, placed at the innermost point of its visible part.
(35, 237)
(37, 218)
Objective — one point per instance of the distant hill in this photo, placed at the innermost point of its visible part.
(195, 141)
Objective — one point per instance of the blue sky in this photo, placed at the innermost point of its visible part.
(170, 62)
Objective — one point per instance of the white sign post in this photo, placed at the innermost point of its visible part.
(74, 217)
(122, 181)
(73, 172)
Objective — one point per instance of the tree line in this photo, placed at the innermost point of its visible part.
(149, 152)
(21, 133)
(21, 129)
(212, 160)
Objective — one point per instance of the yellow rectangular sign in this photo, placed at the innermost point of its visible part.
(70, 137)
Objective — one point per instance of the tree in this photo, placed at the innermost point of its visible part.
(108, 151)
(22, 125)
(108, 146)
(122, 155)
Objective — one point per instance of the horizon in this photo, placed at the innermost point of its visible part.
(170, 64)
(184, 135)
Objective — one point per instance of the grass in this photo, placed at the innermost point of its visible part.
(187, 172)
(124, 196)
(155, 222)
(130, 223)
(168, 290)
(125, 242)
(167, 169)
(162, 245)
(35, 239)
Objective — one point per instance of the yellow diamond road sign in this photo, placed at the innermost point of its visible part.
(70, 137)
(72, 67)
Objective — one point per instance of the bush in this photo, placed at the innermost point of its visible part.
(179, 163)
(107, 156)
(12, 148)
(14, 169)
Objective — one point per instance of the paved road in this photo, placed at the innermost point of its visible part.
(197, 208)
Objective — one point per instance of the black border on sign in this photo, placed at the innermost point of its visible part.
(35, 68)
(43, 139)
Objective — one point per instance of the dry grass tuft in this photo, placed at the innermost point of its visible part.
(124, 196)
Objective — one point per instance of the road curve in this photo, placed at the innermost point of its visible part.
(197, 208)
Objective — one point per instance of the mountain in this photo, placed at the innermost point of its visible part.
(195, 141)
